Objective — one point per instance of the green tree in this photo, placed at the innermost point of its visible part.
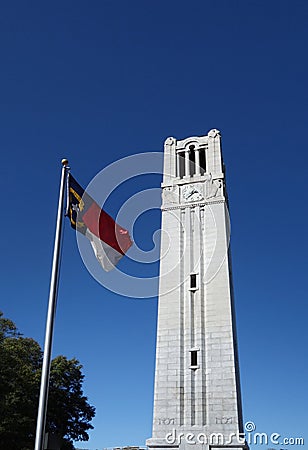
(69, 413)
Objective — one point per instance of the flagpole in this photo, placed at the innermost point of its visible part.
(53, 290)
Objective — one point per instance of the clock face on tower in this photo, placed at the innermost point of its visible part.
(192, 194)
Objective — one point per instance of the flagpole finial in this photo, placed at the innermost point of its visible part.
(64, 162)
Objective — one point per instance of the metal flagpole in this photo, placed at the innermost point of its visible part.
(42, 409)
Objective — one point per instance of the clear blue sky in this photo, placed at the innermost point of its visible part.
(97, 81)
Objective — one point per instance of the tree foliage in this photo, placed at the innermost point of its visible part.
(69, 413)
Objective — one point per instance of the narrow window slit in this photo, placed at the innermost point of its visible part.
(180, 165)
(193, 281)
(202, 161)
(194, 358)
(192, 169)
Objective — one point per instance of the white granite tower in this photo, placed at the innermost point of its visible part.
(197, 403)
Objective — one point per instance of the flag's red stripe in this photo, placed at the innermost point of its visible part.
(106, 229)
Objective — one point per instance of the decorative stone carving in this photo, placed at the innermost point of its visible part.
(169, 141)
(170, 195)
(213, 133)
(214, 188)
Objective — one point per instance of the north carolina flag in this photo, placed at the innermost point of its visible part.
(109, 240)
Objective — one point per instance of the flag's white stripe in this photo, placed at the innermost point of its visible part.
(107, 256)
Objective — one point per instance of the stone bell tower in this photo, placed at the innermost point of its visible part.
(197, 390)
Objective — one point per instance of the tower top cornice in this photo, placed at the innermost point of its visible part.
(197, 140)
